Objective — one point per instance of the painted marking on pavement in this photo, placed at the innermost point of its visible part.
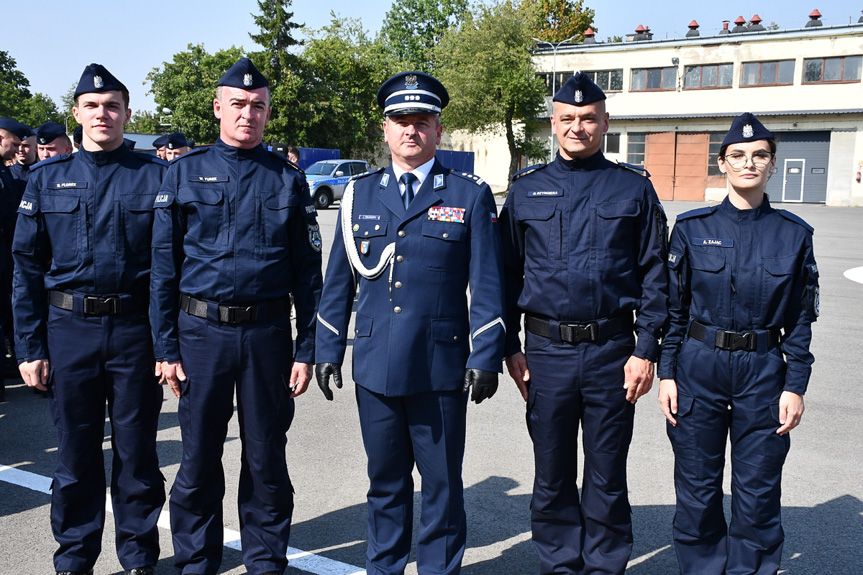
(303, 560)
(646, 556)
(855, 275)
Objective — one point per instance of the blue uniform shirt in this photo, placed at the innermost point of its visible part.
(84, 226)
(235, 227)
(743, 270)
(585, 240)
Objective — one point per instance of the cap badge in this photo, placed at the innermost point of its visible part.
(247, 80)
(579, 97)
(97, 82)
(748, 132)
(411, 82)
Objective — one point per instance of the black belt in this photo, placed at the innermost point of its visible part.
(234, 313)
(98, 304)
(575, 332)
(753, 340)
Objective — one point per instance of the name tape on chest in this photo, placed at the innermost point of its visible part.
(713, 242)
(368, 217)
(66, 185)
(444, 214)
(208, 179)
(545, 193)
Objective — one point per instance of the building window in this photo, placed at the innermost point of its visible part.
(823, 70)
(644, 79)
(608, 80)
(554, 84)
(635, 148)
(774, 73)
(611, 143)
(713, 154)
(711, 76)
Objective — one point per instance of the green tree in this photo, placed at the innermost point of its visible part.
(37, 110)
(68, 102)
(488, 71)
(14, 87)
(412, 28)
(187, 86)
(557, 20)
(144, 123)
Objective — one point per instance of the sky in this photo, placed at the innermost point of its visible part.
(131, 38)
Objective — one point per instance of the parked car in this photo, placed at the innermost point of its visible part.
(328, 178)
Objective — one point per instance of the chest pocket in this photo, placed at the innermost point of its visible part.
(66, 224)
(136, 231)
(617, 226)
(444, 246)
(707, 272)
(779, 275)
(371, 238)
(275, 210)
(204, 206)
(543, 233)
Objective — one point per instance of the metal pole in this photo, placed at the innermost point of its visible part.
(554, 46)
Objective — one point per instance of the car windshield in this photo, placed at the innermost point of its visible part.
(320, 169)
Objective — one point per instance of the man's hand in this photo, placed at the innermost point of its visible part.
(790, 411)
(516, 365)
(299, 378)
(668, 399)
(35, 373)
(484, 383)
(323, 371)
(172, 373)
(637, 378)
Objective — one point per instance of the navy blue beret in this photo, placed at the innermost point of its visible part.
(16, 127)
(177, 140)
(244, 75)
(77, 135)
(579, 90)
(412, 93)
(161, 141)
(97, 78)
(48, 132)
(746, 128)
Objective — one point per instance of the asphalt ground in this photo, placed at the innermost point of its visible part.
(822, 495)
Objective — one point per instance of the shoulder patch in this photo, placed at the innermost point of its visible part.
(468, 176)
(796, 219)
(163, 199)
(527, 171)
(640, 170)
(698, 212)
(28, 206)
(192, 152)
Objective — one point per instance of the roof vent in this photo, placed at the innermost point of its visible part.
(739, 25)
(756, 26)
(815, 19)
(589, 36)
(693, 30)
(724, 27)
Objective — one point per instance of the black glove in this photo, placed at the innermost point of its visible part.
(484, 383)
(323, 371)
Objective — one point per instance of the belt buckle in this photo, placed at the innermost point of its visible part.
(100, 305)
(240, 314)
(734, 341)
(578, 332)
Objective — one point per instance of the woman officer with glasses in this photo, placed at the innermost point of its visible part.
(736, 361)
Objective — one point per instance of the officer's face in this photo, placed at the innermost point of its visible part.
(57, 147)
(753, 163)
(9, 143)
(26, 151)
(102, 116)
(579, 129)
(243, 115)
(161, 152)
(176, 153)
(412, 138)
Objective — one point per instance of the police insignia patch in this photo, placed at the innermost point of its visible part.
(385, 179)
(364, 247)
(247, 80)
(748, 132)
(411, 82)
(438, 181)
(97, 82)
(579, 97)
(315, 237)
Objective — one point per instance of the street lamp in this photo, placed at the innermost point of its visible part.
(554, 46)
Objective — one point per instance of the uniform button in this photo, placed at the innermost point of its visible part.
(445, 234)
(402, 233)
(455, 338)
(356, 331)
(398, 285)
(397, 309)
(377, 227)
(365, 233)
(400, 259)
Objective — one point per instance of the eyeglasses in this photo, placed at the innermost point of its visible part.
(739, 161)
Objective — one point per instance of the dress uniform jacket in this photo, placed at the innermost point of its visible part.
(413, 331)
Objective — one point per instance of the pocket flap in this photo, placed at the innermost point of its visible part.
(536, 211)
(707, 262)
(370, 228)
(449, 330)
(780, 266)
(363, 325)
(200, 195)
(62, 204)
(611, 210)
(448, 231)
(277, 201)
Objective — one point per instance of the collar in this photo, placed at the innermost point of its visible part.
(421, 172)
(580, 163)
(234, 152)
(101, 157)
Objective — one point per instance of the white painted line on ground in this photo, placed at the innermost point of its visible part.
(299, 559)
(646, 556)
(855, 275)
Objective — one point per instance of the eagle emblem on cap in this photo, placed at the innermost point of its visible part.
(748, 132)
(247, 80)
(579, 97)
(97, 82)
(411, 81)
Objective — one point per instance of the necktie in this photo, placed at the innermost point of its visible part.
(407, 181)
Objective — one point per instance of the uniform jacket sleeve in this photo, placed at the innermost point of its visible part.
(653, 310)
(679, 300)
(337, 299)
(306, 272)
(512, 248)
(802, 310)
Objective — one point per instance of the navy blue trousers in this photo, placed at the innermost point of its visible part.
(216, 358)
(721, 393)
(427, 429)
(572, 385)
(95, 360)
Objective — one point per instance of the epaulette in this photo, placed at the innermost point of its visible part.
(527, 171)
(640, 170)
(192, 152)
(367, 174)
(151, 158)
(288, 162)
(698, 212)
(792, 217)
(467, 176)
(51, 160)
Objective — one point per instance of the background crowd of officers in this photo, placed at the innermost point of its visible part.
(126, 273)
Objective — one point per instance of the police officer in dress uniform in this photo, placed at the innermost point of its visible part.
(51, 140)
(584, 242)
(736, 360)
(81, 280)
(235, 236)
(411, 238)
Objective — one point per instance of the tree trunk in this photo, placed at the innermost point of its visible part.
(513, 150)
